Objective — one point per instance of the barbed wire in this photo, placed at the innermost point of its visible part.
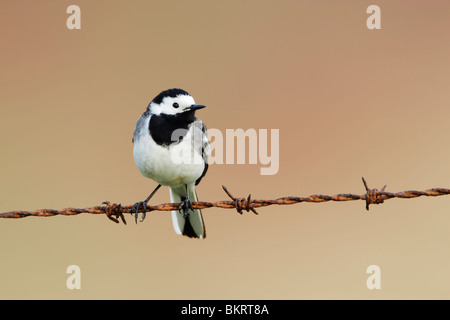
(115, 211)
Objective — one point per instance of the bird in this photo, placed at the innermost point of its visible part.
(171, 147)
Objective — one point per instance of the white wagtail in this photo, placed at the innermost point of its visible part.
(171, 147)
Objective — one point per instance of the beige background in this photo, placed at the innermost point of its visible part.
(349, 102)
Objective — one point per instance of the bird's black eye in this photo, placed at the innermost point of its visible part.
(175, 105)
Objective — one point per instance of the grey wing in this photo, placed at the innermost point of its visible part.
(140, 128)
(205, 150)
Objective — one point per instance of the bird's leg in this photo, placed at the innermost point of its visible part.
(185, 204)
(137, 205)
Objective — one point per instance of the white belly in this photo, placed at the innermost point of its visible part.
(174, 166)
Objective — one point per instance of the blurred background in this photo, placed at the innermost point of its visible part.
(348, 102)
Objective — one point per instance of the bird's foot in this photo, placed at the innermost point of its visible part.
(135, 208)
(184, 206)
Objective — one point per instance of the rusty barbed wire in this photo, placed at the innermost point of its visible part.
(115, 211)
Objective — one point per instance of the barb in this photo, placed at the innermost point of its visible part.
(114, 211)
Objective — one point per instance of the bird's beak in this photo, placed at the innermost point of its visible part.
(195, 107)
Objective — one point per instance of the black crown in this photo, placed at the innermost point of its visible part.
(173, 93)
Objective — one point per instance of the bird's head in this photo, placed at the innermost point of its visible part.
(174, 102)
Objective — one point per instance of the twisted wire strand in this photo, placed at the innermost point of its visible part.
(114, 211)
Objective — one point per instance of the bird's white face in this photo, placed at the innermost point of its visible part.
(172, 106)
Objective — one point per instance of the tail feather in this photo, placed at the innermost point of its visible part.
(191, 226)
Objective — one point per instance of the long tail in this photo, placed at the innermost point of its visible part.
(192, 226)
